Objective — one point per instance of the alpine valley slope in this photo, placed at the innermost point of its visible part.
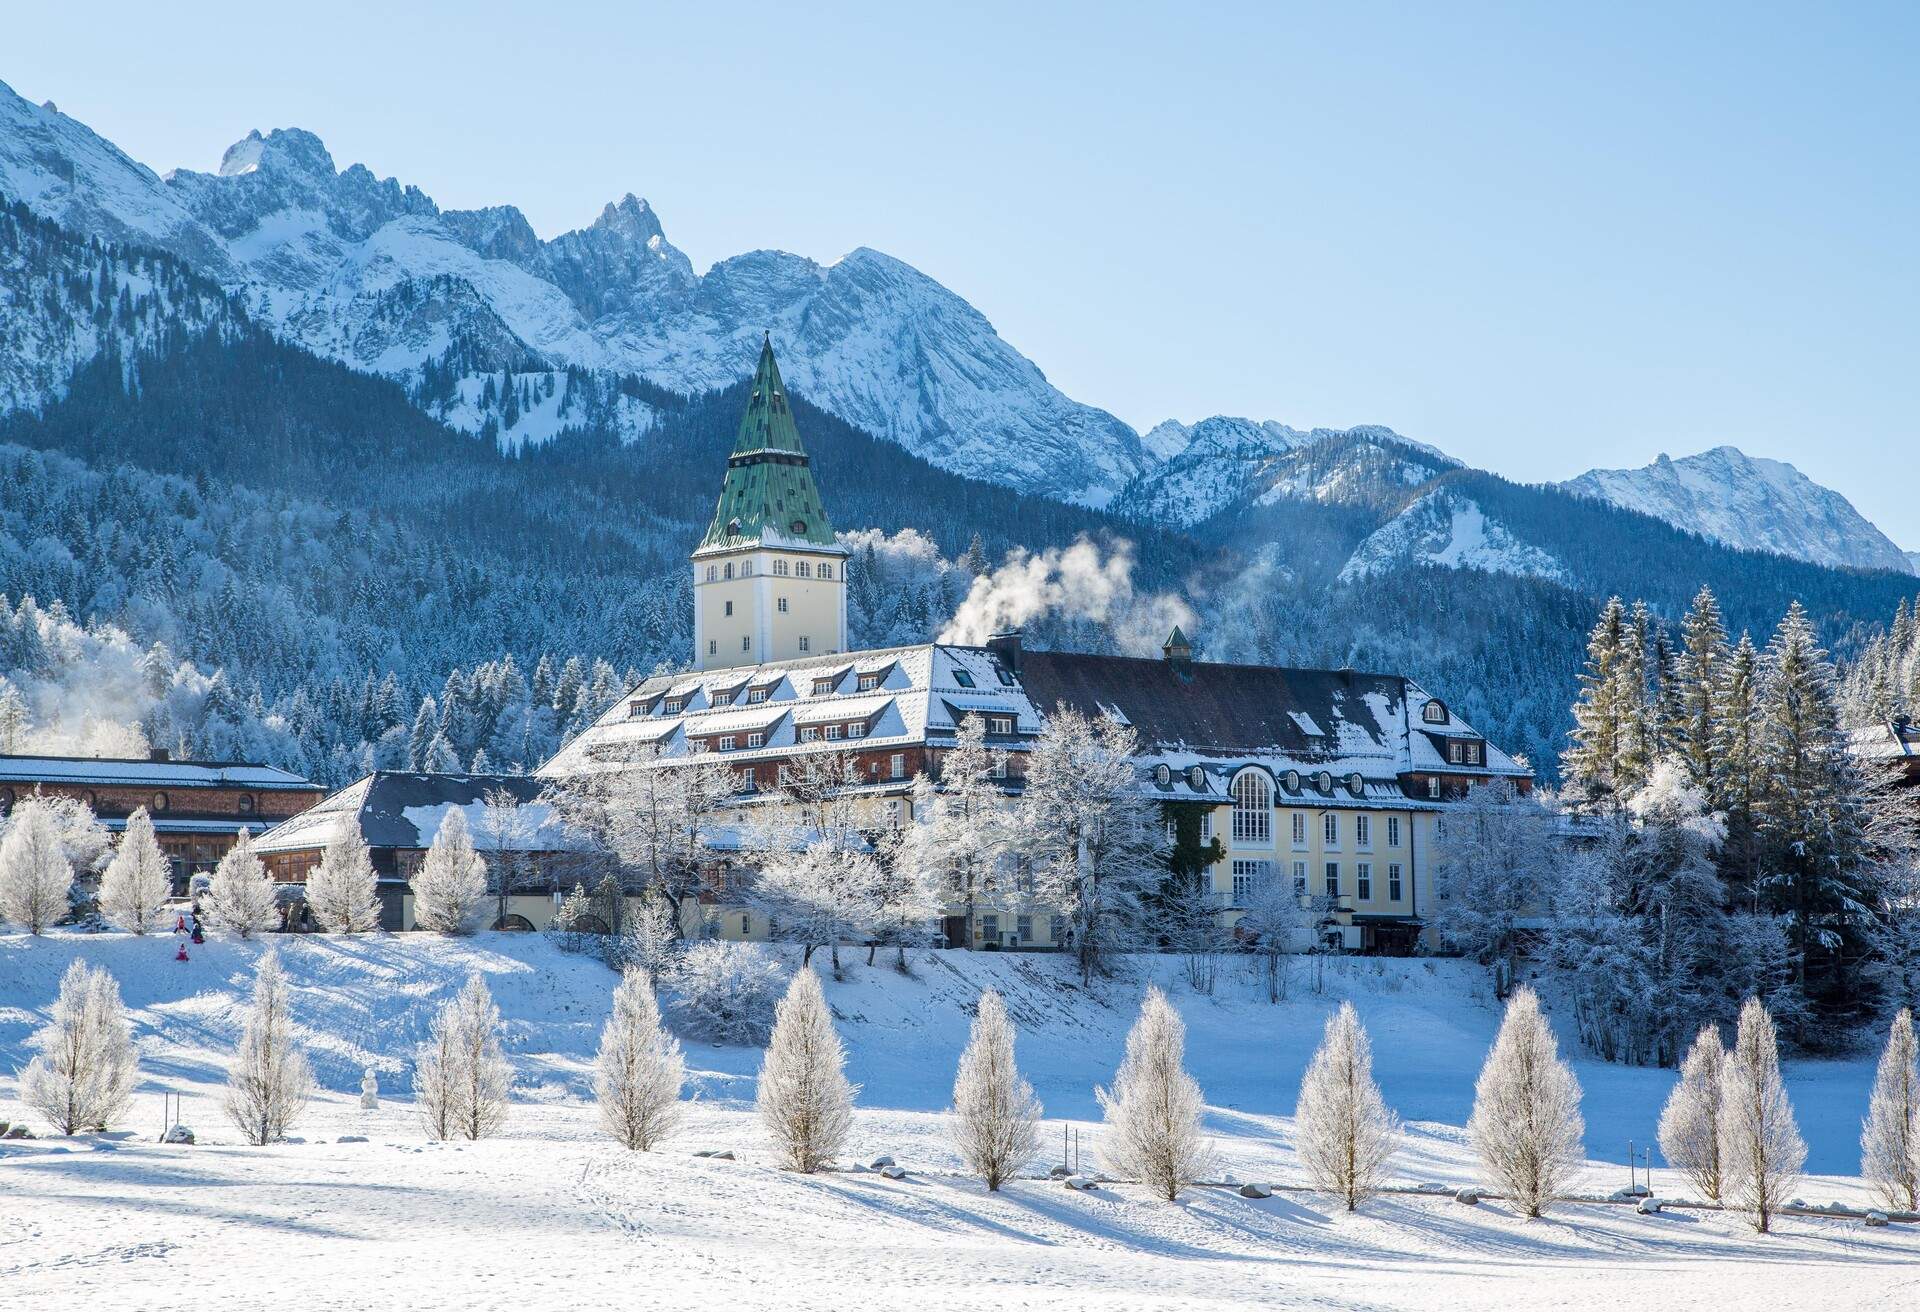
(373, 273)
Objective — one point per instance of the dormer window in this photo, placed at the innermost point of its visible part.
(821, 687)
(756, 695)
(1355, 784)
(726, 742)
(1001, 724)
(1475, 754)
(756, 740)
(674, 705)
(858, 729)
(1434, 713)
(868, 682)
(1252, 808)
(1196, 778)
(1292, 781)
(1323, 781)
(1163, 775)
(1456, 752)
(636, 708)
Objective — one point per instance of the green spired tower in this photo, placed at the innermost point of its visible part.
(769, 578)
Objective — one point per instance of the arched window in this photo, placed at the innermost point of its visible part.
(713, 573)
(727, 571)
(1434, 713)
(1252, 808)
(803, 569)
(246, 804)
(826, 570)
(159, 801)
(780, 568)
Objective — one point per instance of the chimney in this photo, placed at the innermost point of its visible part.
(158, 756)
(1006, 645)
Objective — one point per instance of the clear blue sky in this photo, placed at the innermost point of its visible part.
(1542, 236)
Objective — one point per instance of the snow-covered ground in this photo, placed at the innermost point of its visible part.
(552, 1215)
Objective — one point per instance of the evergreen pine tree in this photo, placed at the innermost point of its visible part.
(1702, 661)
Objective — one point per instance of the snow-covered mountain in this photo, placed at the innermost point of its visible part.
(374, 274)
(1750, 502)
(1449, 529)
(1224, 464)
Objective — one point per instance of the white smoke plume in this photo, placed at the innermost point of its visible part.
(1073, 583)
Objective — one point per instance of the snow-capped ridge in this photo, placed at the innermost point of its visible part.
(1750, 502)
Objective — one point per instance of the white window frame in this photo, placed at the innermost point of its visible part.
(756, 739)
(726, 742)
(1331, 869)
(1363, 881)
(897, 766)
(1300, 878)
(806, 643)
(1252, 808)
(1395, 887)
(1393, 831)
(833, 733)
(1248, 875)
(857, 729)
(1300, 830)
(1363, 832)
(1330, 831)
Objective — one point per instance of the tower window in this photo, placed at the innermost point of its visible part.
(713, 573)
(727, 571)
(780, 569)
(781, 605)
(729, 609)
(805, 643)
(803, 568)
(746, 642)
(713, 647)
(826, 570)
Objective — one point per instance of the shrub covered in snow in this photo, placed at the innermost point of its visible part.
(725, 992)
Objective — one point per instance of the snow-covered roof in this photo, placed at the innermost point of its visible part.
(404, 810)
(1221, 717)
(143, 772)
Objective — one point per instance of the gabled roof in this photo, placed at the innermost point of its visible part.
(768, 497)
(404, 809)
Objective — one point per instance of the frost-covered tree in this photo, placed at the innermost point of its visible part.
(342, 891)
(1153, 1110)
(654, 815)
(1526, 1125)
(822, 893)
(960, 832)
(1761, 1151)
(1701, 671)
(461, 1078)
(35, 872)
(241, 898)
(1269, 920)
(1737, 778)
(804, 1099)
(1495, 859)
(450, 887)
(82, 1075)
(484, 1077)
(649, 940)
(1093, 839)
(1690, 1122)
(138, 881)
(726, 992)
(1890, 1138)
(1343, 1131)
(996, 1118)
(269, 1079)
(1610, 700)
(639, 1071)
(506, 830)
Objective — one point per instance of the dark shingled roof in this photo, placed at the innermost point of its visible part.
(1228, 709)
(381, 801)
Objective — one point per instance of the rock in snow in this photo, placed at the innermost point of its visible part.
(1255, 1191)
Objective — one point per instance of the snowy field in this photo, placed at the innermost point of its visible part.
(553, 1215)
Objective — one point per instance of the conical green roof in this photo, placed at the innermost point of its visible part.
(769, 495)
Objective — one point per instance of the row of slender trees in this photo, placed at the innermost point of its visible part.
(1728, 1125)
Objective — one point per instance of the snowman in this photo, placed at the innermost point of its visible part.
(369, 1090)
